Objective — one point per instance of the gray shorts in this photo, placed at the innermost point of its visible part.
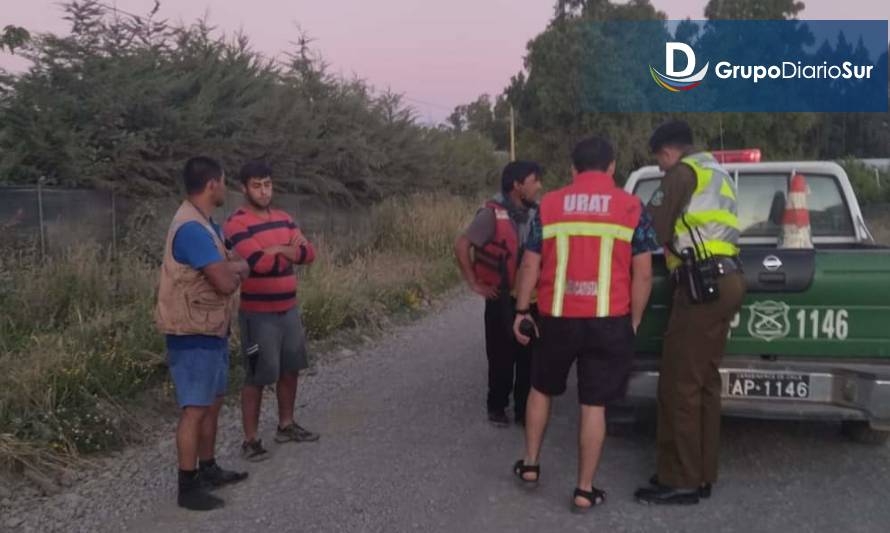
(272, 344)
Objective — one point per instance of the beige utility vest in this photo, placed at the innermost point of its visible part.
(187, 302)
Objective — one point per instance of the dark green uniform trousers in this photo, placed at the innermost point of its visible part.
(689, 385)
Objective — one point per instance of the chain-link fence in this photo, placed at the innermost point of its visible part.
(48, 221)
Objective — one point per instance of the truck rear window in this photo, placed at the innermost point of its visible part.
(762, 199)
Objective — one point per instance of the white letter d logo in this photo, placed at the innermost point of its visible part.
(669, 53)
(676, 81)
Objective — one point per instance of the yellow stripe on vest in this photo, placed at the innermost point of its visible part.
(562, 268)
(604, 283)
(711, 247)
(608, 234)
(588, 229)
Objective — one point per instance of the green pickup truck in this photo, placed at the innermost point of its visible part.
(812, 340)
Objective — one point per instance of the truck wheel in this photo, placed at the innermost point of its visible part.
(862, 432)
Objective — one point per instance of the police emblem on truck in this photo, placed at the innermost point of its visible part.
(769, 320)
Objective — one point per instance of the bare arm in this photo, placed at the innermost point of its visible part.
(298, 251)
(289, 253)
(526, 280)
(226, 276)
(462, 253)
(640, 286)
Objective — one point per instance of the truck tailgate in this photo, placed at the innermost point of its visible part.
(834, 305)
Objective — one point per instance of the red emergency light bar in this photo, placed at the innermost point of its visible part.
(750, 155)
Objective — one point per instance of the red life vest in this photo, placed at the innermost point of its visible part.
(586, 256)
(500, 256)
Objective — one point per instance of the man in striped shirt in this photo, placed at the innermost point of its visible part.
(272, 338)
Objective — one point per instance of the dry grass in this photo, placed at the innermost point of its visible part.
(77, 339)
(78, 345)
(406, 262)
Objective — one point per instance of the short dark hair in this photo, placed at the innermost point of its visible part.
(593, 153)
(198, 172)
(673, 133)
(516, 172)
(254, 169)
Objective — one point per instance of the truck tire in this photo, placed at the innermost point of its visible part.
(862, 432)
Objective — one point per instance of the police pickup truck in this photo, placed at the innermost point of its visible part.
(812, 340)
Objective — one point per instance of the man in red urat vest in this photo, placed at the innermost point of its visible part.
(592, 248)
(488, 253)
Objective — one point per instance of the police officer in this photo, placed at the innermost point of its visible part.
(694, 213)
(488, 253)
(592, 245)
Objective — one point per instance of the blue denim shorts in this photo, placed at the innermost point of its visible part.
(200, 375)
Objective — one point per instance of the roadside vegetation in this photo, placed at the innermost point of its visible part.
(123, 102)
(81, 361)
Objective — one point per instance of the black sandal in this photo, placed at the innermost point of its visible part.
(595, 497)
(520, 469)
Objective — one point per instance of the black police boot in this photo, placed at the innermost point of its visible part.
(704, 491)
(663, 495)
(498, 417)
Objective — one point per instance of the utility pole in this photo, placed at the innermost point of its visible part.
(512, 134)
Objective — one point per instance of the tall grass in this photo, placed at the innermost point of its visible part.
(78, 344)
(77, 339)
(406, 261)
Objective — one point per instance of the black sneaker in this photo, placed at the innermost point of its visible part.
(498, 418)
(295, 433)
(254, 451)
(194, 496)
(215, 476)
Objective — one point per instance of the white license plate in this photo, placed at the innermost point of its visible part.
(766, 385)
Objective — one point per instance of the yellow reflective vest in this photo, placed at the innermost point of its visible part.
(709, 224)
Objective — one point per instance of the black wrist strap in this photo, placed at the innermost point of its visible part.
(523, 311)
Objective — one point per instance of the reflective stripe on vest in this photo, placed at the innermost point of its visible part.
(607, 233)
(711, 212)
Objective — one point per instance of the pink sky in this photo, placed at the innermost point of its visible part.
(437, 53)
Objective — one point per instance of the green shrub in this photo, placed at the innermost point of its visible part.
(870, 185)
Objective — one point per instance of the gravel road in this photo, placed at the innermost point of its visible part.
(406, 447)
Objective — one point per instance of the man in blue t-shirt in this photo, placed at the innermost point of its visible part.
(193, 245)
(194, 312)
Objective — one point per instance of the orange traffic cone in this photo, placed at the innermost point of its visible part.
(796, 231)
